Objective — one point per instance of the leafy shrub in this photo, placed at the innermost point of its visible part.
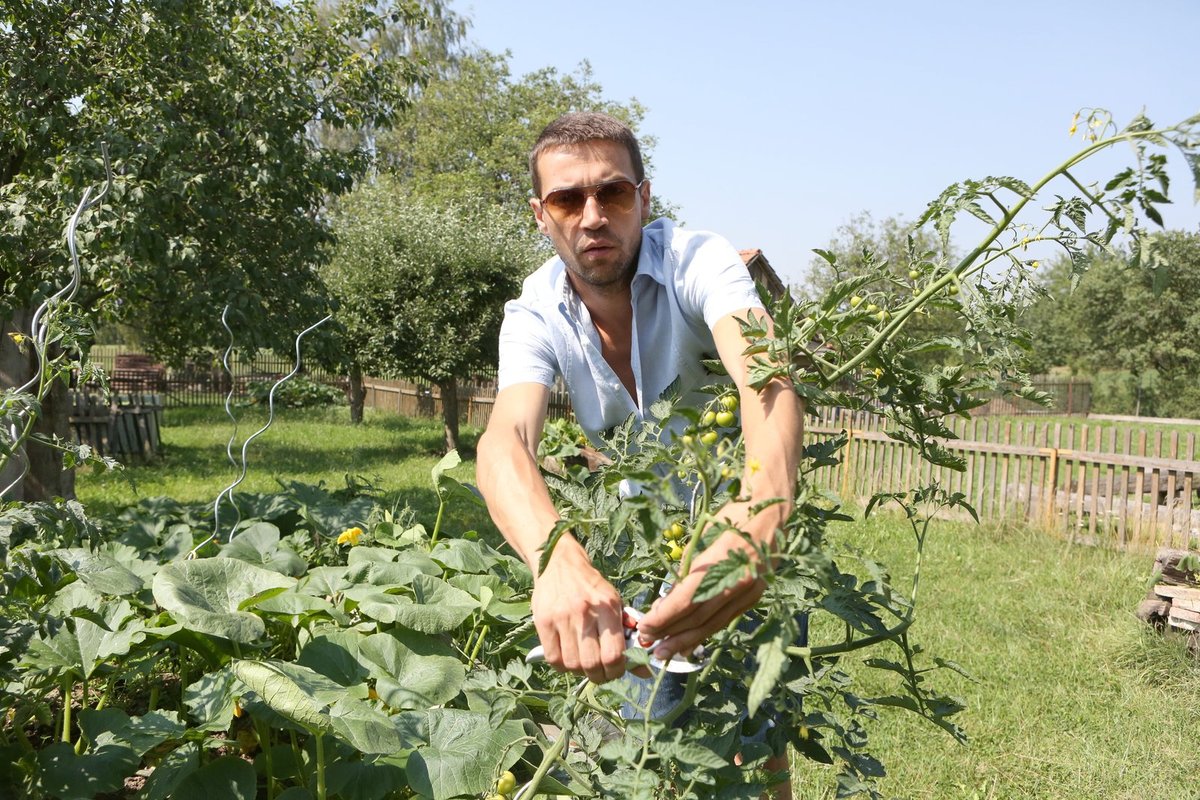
(297, 392)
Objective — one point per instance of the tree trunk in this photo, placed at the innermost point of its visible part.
(358, 393)
(46, 477)
(449, 390)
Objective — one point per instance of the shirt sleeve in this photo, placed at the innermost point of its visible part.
(526, 353)
(715, 281)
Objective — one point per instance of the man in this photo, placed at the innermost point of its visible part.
(622, 313)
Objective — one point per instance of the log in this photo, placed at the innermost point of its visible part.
(1154, 612)
(1167, 590)
(1166, 566)
(1178, 614)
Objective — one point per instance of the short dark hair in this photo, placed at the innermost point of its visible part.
(580, 127)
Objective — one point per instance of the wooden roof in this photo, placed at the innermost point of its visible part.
(761, 271)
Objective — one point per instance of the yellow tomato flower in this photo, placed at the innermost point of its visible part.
(754, 465)
(350, 536)
(18, 338)
(1035, 264)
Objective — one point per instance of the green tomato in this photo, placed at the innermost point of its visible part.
(708, 419)
(953, 290)
(687, 439)
(674, 532)
(872, 308)
(855, 301)
(913, 274)
(676, 553)
(507, 783)
(709, 438)
(726, 418)
(729, 402)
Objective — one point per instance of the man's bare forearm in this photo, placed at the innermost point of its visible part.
(516, 494)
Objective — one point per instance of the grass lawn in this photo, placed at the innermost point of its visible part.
(310, 445)
(1072, 697)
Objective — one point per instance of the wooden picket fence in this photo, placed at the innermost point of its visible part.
(1090, 483)
(475, 399)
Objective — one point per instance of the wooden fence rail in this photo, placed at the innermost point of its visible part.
(1090, 484)
(475, 399)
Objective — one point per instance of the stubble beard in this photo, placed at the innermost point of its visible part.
(603, 278)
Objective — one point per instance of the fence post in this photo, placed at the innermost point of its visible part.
(846, 458)
(1051, 485)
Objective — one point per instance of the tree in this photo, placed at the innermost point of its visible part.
(1144, 321)
(421, 288)
(206, 107)
(467, 136)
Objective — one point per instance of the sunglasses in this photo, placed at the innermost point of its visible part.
(613, 196)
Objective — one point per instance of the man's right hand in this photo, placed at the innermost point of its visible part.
(578, 615)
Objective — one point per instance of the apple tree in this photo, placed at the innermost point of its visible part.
(206, 108)
(421, 287)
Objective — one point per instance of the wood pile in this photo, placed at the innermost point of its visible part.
(1174, 599)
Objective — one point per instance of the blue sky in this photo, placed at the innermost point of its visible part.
(778, 121)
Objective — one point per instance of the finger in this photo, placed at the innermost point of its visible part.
(677, 611)
(589, 657)
(686, 641)
(682, 635)
(612, 647)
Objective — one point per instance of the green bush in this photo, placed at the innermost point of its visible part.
(298, 392)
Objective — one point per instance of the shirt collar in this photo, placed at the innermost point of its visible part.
(649, 266)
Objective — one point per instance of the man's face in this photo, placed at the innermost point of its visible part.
(599, 245)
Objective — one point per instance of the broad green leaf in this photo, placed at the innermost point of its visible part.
(170, 771)
(121, 631)
(295, 603)
(336, 656)
(67, 776)
(437, 606)
(771, 661)
(325, 581)
(691, 754)
(228, 778)
(293, 691)
(462, 754)
(364, 553)
(100, 572)
(363, 780)
(212, 698)
(464, 555)
(412, 670)
(294, 793)
(448, 462)
(206, 594)
(139, 734)
(259, 545)
(368, 729)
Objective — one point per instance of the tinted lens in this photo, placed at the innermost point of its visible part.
(566, 202)
(615, 196)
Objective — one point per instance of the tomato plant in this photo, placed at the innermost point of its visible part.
(334, 647)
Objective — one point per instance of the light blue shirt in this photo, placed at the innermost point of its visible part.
(685, 281)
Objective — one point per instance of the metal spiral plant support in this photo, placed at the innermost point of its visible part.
(228, 490)
(39, 329)
(233, 434)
